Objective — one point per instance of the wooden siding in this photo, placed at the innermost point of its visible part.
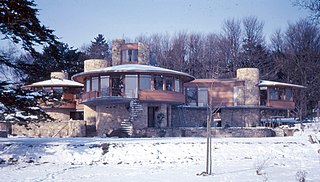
(221, 96)
(281, 104)
(161, 96)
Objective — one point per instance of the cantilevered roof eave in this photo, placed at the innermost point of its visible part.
(267, 83)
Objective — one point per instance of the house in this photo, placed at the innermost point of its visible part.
(62, 103)
(133, 94)
(134, 98)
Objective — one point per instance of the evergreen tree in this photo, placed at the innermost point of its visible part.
(99, 49)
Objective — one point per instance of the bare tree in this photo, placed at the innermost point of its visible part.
(312, 5)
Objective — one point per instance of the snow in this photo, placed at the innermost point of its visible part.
(135, 68)
(273, 83)
(160, 159)
(54, 82)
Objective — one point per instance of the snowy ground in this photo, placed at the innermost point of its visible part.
(159, 159)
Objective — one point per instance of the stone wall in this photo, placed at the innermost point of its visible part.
(143, 53)
(58, 114)
(240, 117)
(251, 78)
(189, 116)
(116, 51)
(74, 128)
(92, 64)
(202, 132)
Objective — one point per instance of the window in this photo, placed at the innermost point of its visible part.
(130, 55)
(95, 85)
(177, 85)
(169, 83)
(191, 96)
(273, 93)
(104, 84)
(202, 96)
(288, 94)
(281, 93)
(131, 86)
(158, 82)
(145, 82)
(117, 85)
(88, 85)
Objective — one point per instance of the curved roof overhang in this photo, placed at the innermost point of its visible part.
(267, 83)
(131, 69)
(54, 82)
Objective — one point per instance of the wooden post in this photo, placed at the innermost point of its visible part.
(208, 159)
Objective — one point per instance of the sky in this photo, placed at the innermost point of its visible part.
(77, 22)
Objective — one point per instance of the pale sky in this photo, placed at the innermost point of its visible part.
(77, 22)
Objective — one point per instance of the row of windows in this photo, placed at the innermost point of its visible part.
(130, 55)
(197, 96)
(280, 94)
(127, 85)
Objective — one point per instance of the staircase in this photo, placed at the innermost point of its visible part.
(126, 127)
(135, 110)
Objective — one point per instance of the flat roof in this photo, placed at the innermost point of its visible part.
(131, 68)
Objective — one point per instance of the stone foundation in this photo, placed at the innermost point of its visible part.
(202, 132)
(189, 116)
(75, 128)
(240, 117)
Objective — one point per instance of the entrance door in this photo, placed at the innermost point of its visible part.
(151, 117)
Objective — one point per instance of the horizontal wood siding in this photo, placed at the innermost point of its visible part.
(281, 104)
(221, 96)
(161, 96)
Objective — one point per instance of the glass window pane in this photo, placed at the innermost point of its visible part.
(130, 55)
(131, 86)
(158, 82)
(177, 85)
(288, 94)
(273, 93)
(134, 57)
(281, 93)
(145, 82)
(202, 96)
(104, 86)
(169, 83)
(95, 83)
(117, 85)
(88, 85)
(192, 96)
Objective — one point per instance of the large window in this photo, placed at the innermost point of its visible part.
(273, 93)
(177, 85)
(145, 82)
(131, 86)
(88, 85)
(104, 86)
(288, 94)
(117, 85)
(191, 96)
(202, 96)
(158, 82)
(95, 86)
(281, 93)
(169, 83)
(130, 55)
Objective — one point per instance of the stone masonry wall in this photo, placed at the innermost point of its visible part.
(116, 51)
(189, 116)
(143, 53)
(74, 128)
(58, 114)
(240, 117)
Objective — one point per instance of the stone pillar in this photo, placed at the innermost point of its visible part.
(143, 54)
(116, 51)
(92, 64)
(251, 89)
(59, 75)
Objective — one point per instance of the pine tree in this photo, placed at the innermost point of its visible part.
(99, 49)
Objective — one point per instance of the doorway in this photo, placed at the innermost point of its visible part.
(151, 117)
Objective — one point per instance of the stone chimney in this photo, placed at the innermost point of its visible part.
(251, 90)
(59, 75)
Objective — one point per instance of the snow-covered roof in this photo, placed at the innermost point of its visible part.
(268, 83)
(131, 68)
(54, 82)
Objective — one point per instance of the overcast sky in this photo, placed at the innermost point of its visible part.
(77, 22)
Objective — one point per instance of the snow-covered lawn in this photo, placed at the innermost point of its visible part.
(159, 159)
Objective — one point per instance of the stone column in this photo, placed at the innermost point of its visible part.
(92, 64)
(251, 90)
(143, 54)
(116, 51)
